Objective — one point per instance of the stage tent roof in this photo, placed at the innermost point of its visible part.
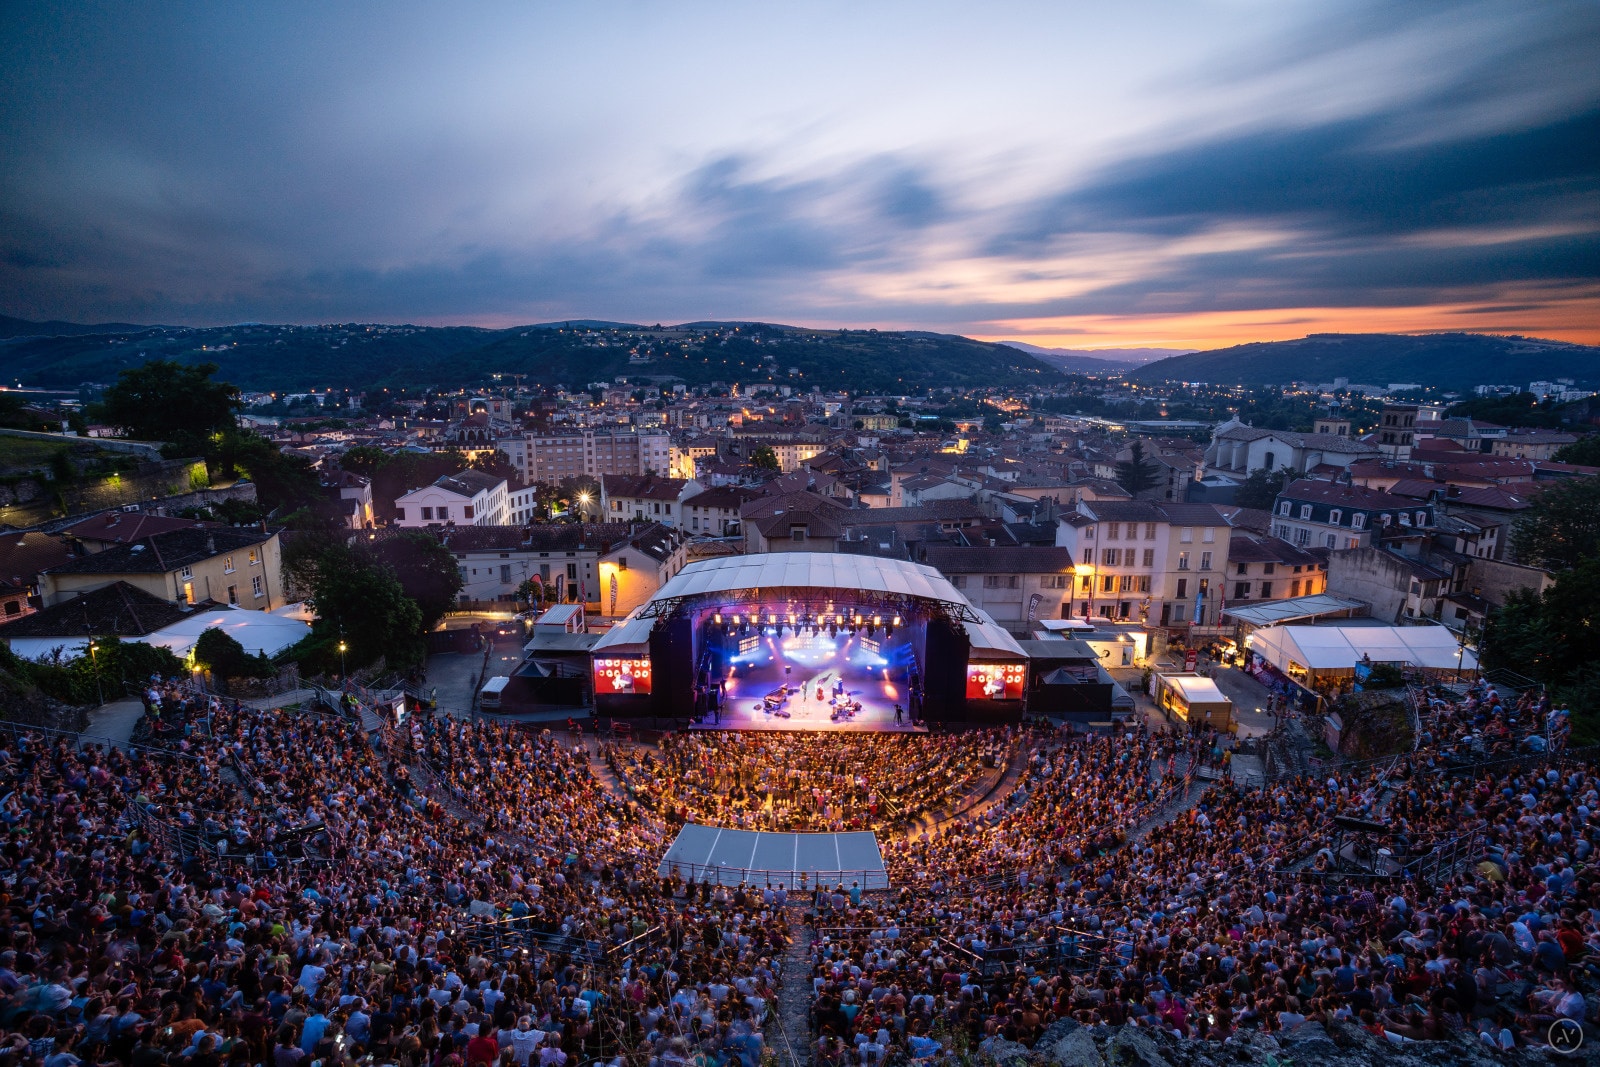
(815, 570)
(811, 570)
(630, 635)
(1332, 648)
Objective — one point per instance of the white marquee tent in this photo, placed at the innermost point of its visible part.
(258, 631)
(1340, 648)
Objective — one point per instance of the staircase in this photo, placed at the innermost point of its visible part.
(791, 1036)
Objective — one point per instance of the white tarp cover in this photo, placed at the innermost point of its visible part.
(1197, 690)
(1333, 648)
(260, 632)
(1300, 607)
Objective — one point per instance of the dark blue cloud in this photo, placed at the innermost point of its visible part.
(1339, 180)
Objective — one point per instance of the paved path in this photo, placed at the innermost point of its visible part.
(114, 720)
(793, 1010)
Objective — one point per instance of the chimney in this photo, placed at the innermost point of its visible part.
(211, 545)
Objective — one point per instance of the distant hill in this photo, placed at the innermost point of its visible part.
(10, 327)
(1095, 360)
(1456, 361)
(366, 356)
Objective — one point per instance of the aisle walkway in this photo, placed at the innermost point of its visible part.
(793, 1010)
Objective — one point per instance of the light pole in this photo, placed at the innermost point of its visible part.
(583, 506)
(344, 676)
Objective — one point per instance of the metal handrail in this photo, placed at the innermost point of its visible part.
(792, 880)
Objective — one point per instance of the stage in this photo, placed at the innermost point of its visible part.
(815, 682)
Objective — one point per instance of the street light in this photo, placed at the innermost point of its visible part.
(583, 505)
(343, 675)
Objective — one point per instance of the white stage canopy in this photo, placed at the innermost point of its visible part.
(1335, 648)
(259, 632)
(837, 572)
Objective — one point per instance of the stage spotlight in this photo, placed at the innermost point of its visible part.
(897, 620)
(717, 618)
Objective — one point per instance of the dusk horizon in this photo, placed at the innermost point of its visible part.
(1165, 176)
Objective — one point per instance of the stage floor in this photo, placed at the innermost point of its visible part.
(804, 667)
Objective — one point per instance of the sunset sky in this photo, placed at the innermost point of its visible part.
(1077, 175)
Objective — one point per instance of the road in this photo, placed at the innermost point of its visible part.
(455, 677)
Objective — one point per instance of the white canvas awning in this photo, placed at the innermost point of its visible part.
(1332, 648)
(1197, 690)
(259, 632)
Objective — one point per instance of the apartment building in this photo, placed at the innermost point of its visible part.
(715, 512)
(238, 565)
(1267, 568)
(645, 498)
(613, 566)
(466, 498)
(1336, 515)
(584, 453)
(1015, 584)
(1156, 562)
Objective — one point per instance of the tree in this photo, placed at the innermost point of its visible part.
(219, 653)
(765, 458)
(1554, 638)
(358, 600)
(363, 460)
(1562, 527)
(1261, 489)
(1137, 474)
(163, 400)
(426, 569)
(1585, 451)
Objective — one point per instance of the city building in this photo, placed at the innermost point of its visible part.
(239, 565)
(1160, 563)
(1238, 449)
(1397, 428)
(1337, 515)
(1016, 585)
(1269, 568)
(587, 453)
(645, 498)
(466, 498)
(610, 566)
(715, 512)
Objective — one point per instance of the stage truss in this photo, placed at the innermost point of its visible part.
(809, 601)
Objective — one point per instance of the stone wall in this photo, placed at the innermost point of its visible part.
(31, 503)
(1495, 579)
(1370, 574)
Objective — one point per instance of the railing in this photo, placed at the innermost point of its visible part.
(1065, 948)
(510, 936)
(802, 881)
(21, 731)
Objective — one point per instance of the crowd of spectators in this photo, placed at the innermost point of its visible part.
(271, 886)
(808, 782)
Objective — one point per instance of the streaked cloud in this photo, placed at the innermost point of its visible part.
(1173, 174)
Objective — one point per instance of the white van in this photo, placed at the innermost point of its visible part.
(489, 696)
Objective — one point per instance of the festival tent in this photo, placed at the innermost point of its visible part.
(260, 632)
(1296, 650)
